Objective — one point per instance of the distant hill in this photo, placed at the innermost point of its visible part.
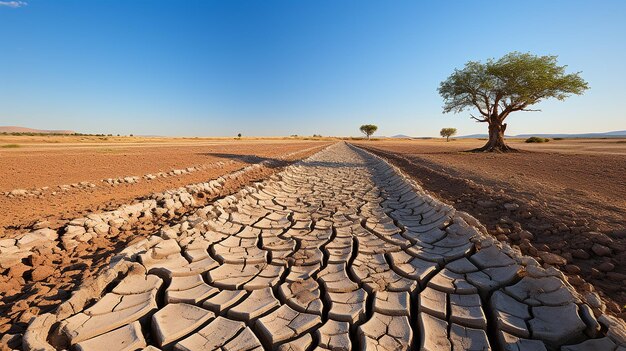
(14, 129)
(613, 134)
(401, 136)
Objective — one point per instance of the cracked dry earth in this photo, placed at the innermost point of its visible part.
(337, 252)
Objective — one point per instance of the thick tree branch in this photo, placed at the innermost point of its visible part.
(478, 119)
(475, 103)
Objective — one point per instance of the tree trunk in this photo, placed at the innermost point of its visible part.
(447, 138)
(496, 138)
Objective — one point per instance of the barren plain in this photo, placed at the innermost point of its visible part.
(188, 244)
(65, 176)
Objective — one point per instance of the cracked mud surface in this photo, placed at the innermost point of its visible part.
(561, 209)
(337, 252)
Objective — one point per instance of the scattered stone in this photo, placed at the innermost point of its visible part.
(606, 267)
(41, 273)
(600, 250)
(511, 206)
(572, 269)
(552, 259)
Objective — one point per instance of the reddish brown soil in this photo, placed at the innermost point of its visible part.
(26, 292)
(35, 166)
(565, 199)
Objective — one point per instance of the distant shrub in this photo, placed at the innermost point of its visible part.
(537, 140)
(558, 138)
(10, 146)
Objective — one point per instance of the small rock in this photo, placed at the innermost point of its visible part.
(74, 230)
(27, 315)
(619, 233)
(600, 250)
(567, 256)
(18, 192)
(562, 228)
(595, 273)
(552, 259)
(587, 287)
(572, 269)
(613, 307)
(580, 254)
(525, 234)
(616, 276)
(594, 300)
(543, 247)
(599, 238)
(41, 273)
(17, 270)
(502, 230)
(101, 229)
(606, 267)
(41, 224)
(511, 206)
(575, 280)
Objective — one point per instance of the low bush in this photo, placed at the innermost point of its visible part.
(10, 146)
(558, 138)
(537, 140)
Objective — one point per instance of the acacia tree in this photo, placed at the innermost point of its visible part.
(512, 83)
(368, 129)
(447, 133)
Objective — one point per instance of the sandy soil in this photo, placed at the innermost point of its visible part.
(37, 164)
(568, 194)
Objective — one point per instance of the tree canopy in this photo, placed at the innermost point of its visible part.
(447, 132)
(368, 129)
(512, 83)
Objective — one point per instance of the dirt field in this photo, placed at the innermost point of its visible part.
(53, 161)
(42, 164)
(566, 197)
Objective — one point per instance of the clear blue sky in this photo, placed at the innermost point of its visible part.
(215, 68)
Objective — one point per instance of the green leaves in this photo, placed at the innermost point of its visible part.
(512, 83)
(368, 129)
(447, 132)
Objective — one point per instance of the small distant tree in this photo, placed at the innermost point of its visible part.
(512, 83)
(239, 135)
(368, 130)
(447, 133)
